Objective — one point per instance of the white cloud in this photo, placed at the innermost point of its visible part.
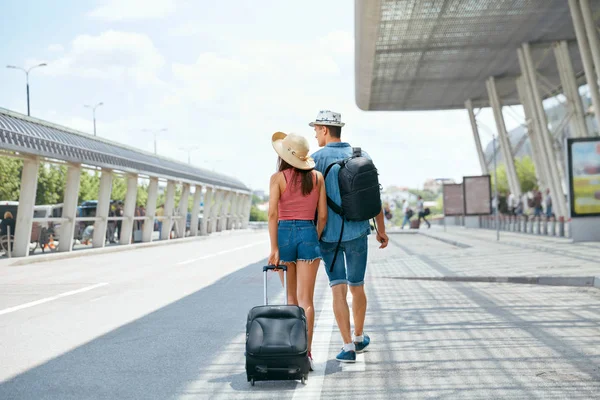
(120, 10)
(110, 55)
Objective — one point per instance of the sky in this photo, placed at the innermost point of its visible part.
(221, 77)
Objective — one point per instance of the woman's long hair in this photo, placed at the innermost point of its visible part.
(306, 176)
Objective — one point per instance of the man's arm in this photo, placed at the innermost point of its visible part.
(381, 235)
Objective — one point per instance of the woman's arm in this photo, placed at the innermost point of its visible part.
(321, 206)
(274, 193)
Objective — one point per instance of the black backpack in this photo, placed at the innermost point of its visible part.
(359, 190)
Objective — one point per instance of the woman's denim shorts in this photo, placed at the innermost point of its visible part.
(298, 241)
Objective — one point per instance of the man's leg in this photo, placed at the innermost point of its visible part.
(357, 252)
(342, 311)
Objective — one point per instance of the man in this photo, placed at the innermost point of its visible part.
(407, 213)
(421, 211)
(328, 129)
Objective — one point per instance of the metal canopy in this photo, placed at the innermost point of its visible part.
(32, 136)
(435, 54)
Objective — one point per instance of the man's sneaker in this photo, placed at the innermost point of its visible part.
(361, 346)
(346, 356)
(311, 362)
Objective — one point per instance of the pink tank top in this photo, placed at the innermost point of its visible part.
(292, 203)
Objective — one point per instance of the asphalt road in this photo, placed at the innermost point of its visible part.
(168, 323)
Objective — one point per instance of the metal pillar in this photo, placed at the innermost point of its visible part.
(480, 153)
(195, 211)
(129, 210)
(509, 162)
(585, 51)
(232, 211)
(183, 210)
(222, 219)
(169, 205)
(570, 89)
(554, 182)
(102, 209)
(206, 211)
(148, 228)
(216, 209)
(536, 153)
(24, 217)
(67, 227)
(246, 213)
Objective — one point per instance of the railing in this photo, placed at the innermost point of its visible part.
(543, 226)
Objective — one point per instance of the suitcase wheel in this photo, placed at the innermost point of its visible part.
(252, 381)
(303, 380)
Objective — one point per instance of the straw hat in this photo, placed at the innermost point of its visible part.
(293, 149)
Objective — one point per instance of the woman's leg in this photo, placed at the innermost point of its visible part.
(291, 282)
(307, 275)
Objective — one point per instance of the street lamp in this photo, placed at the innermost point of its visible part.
(94, 113)
(155, 132)
(189, 151)
(27, 77)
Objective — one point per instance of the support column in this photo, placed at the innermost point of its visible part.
(183, 210)
(195, 211)
(216, 210)
(554, 182)
(206, 211)
(222, 221)
(232, 211)
(246, 213)
(24, 217)
(570, 89)
(478, 147)
(102, 209)
(169, 205)
(509, 162)
(67, 227)
(585, 51)
(129, 210)
(148, 228)
(240, 210)
(536, 153)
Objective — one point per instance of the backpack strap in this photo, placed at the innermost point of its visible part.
(335, 207)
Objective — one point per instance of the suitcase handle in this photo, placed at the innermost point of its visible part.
(273, 267)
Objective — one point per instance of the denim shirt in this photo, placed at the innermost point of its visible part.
(331, 153)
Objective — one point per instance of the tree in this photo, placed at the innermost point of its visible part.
(89, 186)
(525, 173)
(52, 180)
(10, 178)
(258, 215)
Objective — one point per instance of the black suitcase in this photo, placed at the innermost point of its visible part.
(276, 340)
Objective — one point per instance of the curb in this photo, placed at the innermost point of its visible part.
(573, 281)
(119, 248)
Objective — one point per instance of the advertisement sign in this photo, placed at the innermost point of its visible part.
(584, 176)
(453, 199)
(477, 193)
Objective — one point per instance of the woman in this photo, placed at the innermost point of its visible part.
(8, 221)
(297, 193)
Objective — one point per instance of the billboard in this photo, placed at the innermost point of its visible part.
(477, 193)
(583, 159)
(453, 199)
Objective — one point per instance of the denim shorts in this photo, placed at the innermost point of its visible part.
(352, 271)
(298, 241)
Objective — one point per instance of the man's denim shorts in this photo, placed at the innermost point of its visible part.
(298, 241)
(351, 272)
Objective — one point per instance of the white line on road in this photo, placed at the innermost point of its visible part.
(221, 252)
(320, 351)
(48, 299)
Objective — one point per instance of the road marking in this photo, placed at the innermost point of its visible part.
(48, 299)
(320, 351)
(221, 253)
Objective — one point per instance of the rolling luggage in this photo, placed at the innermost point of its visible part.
(415, 223)
(276, 340)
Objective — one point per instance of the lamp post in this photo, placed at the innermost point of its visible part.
(94, 113)
(189, 151)
(27, 78)
(155, 132)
